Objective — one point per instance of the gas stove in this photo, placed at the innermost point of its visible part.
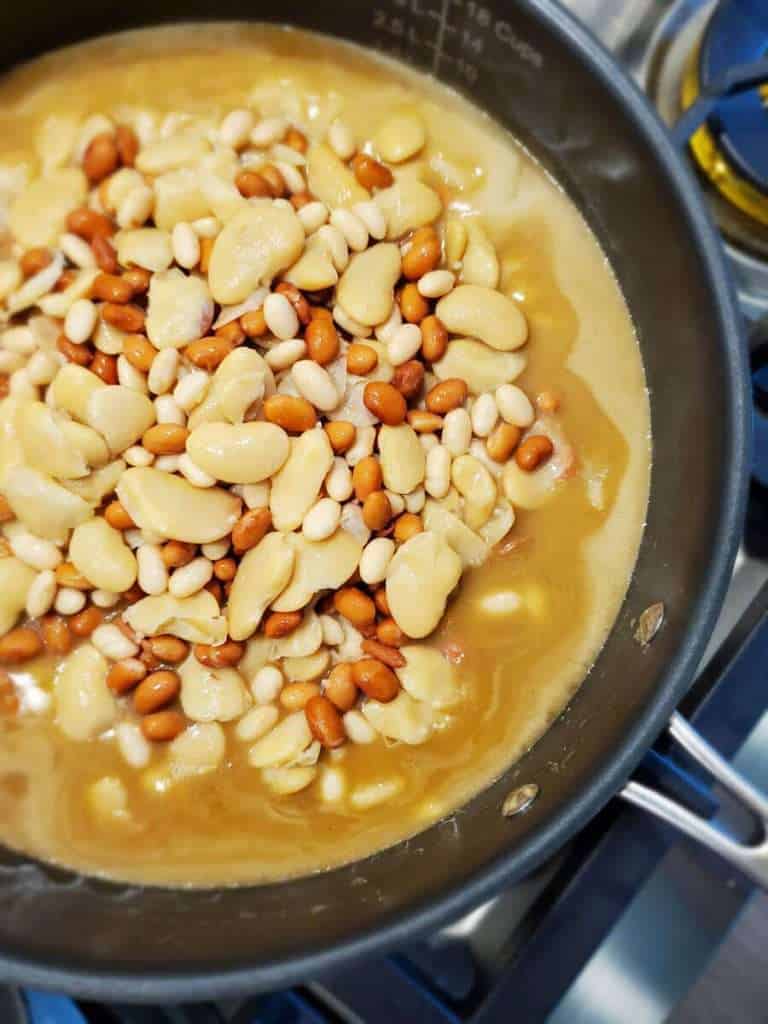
(620, 925)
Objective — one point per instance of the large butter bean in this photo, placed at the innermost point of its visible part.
(212, 694)
(252, 249)
(165, 155)
(194, 618)
(243, 377)
(420, 577)
(282, 744)
(99, 552)
(485, 314)
(470, 546)
(120, 415)
(46, 508)
(400, 137)
(428, 676)
(199, 749)
(15, 580)
(366, 288)
(87, 442)
(179, 309)
(262, 574)
(11, 450)
(285, 780)
(320, 565)
(408, 204)
(38, 214)
(244, 454)
(402, 458)
(331, 181)
(480, 264)
(172, 507)
(178, 197)
(98, 484)
(314, 270)
(296, 487)
(302, 670)
(145, 247)
(403, 719)
(85, 705)
(72, 388)
(478, 488)
(483, 368)
(46, 446)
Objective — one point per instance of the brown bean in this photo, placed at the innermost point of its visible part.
(139, 352)
(9, 701)
(138, 278)
(6, 512)
(296, 140)
(101, 157)
(223, 656)
(383, 652)
(225, 569)
(231, 332)
(68, 576)
(320, 313)
(163, 725)
(434, 338)
(409, 378)
(367, 477)
(84, 623)
(79, 354)
(253, 323)
(20, 644)
(377, 511)
(424, 422)
(376, 680)
(407, 525)
(116, 516)
(111, 288)
(389, 633)
(125, 674)
(533, 452)
(157, 690)
(370, 173)
(294, 696)
(341, 434)
(89, 223)
(322, 341)
(413, 305)
(361, 358)
(355, 605)
(165, 439)
(292, 414)
(380, 600)
(299, 199)
(250, 528)
(177, 553)
(130, 596)
(66, 278)
(127, 144)
(502, 441)
(208, 353)
(340, 687)
(299, 301)
(325, 722)
(5, 385)
(168, 648)
(447, 395)
(125, 318)
(275, 180)
(104, 254)
(279, 624)
(385, 402)
(148, 658)
(423, 253)
(250, 183)
(206, 248)
(56, 635)
(105, 367)
(35, 260)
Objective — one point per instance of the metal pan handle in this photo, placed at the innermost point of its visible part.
(751, 859)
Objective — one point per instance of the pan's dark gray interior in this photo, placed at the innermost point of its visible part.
(541, 76)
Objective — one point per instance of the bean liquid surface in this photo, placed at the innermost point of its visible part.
(569, 562)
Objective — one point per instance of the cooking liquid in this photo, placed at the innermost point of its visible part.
(575, 555)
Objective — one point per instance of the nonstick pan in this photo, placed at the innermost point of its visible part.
(539, 73)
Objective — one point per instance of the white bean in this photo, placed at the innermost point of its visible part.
(163, 371)
(436, 283)
(415, 500)
(136, 207)
(235, 130)
(313, 215)
(152, 574)
(292, 176)
(315, 384)
(333, 634)
(186, 248)
(341, 140)
(41, 594)
(428, 441)
(438, 478)
(104, 598)
(69, 601)
(42, 367)
(167, 409)
(336, 244)
(514, 405)
(363, 446)
(130, 377)
(267, 684)
(132, 744)
(136, 455)
(167, 463)
(192, 472)
(385, 331)
(457, 431)
(190, 577)
(216, 549)
(286, 353)
(322, 520)
(269, 131)
(133, 538)
(80, 321)
(338, 482)
(345, 321)
(255, 495)
(332, 785)
(358, 728)
(35, 551)
(256, 723)
(403, 343)
(112, 642)
(206, 227)
(77, 250)
(352, 227)
(396, 502)
(371, 215)
(485, 414)
(191, 389)
(376, 556)
(280, 316)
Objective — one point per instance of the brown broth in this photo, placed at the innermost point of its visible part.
(572, 564)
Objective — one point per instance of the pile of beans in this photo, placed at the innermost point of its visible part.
(259, 417)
